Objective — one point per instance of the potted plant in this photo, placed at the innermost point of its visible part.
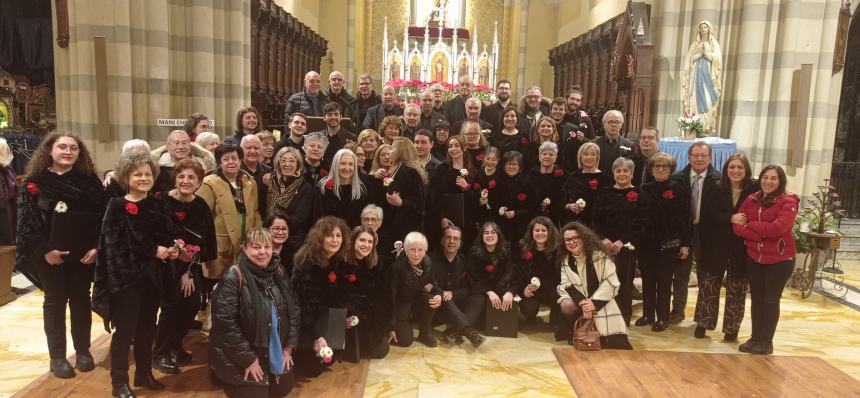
(816, 230)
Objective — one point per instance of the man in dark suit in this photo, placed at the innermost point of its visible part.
(473, 114)
(702, 178)
(460, 306)
(387, 108)
(493, 113)
(337, 135)
(338, 94)
(649, 144)
(429, 116)
(612, 144)
(455, 109)
(365, 98)
(309, 101)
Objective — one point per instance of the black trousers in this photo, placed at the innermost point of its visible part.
(175, 319)
(708, 302)
(766, 284)
(413, 308)
(462, 312)
(133, 314)
(657, 265)
(373, 343)
(66, 284)
(278, 386)
(624, 263)
(308, 364)
(681, 274)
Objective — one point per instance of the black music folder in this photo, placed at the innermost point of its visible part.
(334, 330)
(75, 232)
(503, 323)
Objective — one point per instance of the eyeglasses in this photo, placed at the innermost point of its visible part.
(572, 239)
(662, 167)
(369, 219)
(613, 122)
(279, 230)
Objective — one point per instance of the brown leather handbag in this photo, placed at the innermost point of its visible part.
(585, 335)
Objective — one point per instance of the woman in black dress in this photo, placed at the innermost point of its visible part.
(370, 295)
(453, 193)
(135, 249)
(196, 228)
(724, 253)
(508, 137)
(404, 192)
(60, 171)
(615, 209)
(518, 201)
(476, 141)
(342, 193)
(489, 267)
(488, 180)
(548, 181)
(291, 193)
(544, 131)
(315, 284)
(537, 273)
(665, 211)
(582, 186)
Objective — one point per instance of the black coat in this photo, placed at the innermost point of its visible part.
(441, 189)
(407, 284)
(664, 210)
(376, 291)
(535, 263)
(517, 194)
(580, 185)
(361, 105)
(37, 198)
(409, 216)
(491, 271)
(450, 275)
(235, 324)
(455, 110)
(611, 150)
(317, 290)
(709, 183)
(721, 249)
(376, 113)
(490, 183)
(549, 186)
(505, 143)
(345, 208)
(614, 212)
(195, 226)
(344, 99)
(300, 210)
(301, 102)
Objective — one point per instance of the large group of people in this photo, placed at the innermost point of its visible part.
(430, 215)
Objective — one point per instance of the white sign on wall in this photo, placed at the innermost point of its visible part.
(178, 123)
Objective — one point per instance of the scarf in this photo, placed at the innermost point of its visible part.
(260, 282)
(282, 191)
(236, 191)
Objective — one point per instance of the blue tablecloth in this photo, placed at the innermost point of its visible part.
(678, 148)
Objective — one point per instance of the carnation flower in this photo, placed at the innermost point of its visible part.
(503, 210)
(632, 196)
(485, 193)
(61, 207)
(490, 268)
(491, 184)
(546, 201)
(329, 184)
(528, 256)
(351, 278)
(464, 173)
(387, 181)
(332, 277)
(326, 354)
(593, 184)
(581, 203)
(668, 194)
(32, 188)
(517, 298)
(180, 215)
(352, 320)
(629, 246)
(535, 282)
(131, 208)
(558, 172)
(522, 197)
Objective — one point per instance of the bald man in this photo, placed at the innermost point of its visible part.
(455, 109)
(336, 92)
(309, 101)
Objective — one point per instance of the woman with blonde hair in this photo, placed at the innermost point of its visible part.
(476, 141)
(368, 140)
(581, 186)
(390, 128)
(290, 193)
(404, 192)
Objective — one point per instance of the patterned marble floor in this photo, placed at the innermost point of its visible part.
(816, 326)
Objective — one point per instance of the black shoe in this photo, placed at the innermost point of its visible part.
(148, 381)
(676, 317)
(84, 362)
(658, 326)
(182, 357)
(165, 365)
(700, 332)
(196, 325)
(62, 369)
(643, 321)
(123, 391)
(453, 337)
(428, 340)
(474, 338)
(730, 337)
(747, 346)
(762, 349)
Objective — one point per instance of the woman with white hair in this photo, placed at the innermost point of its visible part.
(208, 141)
(548, 178)
(8, 195)
(416, 294)
(342, 193)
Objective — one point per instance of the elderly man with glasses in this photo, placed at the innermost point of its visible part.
(612, 144)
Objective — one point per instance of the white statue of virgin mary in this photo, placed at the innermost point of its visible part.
(703, 77)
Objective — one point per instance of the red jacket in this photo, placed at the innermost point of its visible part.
(767, 233)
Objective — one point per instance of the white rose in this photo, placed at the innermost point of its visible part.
(517, 299)
(326, 353)
(464, 173)
(546, 202)
(353, 320)
(503, 210)
(581, 203)
(485, 193)
(535, 282)
(629, 246)
(61, 207)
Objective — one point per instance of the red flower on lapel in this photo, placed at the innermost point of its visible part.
(668, 194)
(558, 172)
(490, 268)
(593, 184)
(32, 188)
(491, 184)
(351, 278)
(329, 184)
(480, 157)
(180, 215)
(323, 172)
(632, 196)
(131, 208)
(332, 277)
(528, 256)
(476, 186)
(524, 141)
(463, 275)
(522, 197)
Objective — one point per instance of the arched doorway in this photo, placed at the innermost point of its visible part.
(845, 173)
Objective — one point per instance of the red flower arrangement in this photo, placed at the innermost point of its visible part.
(522, 197)
(632, 196)
(476, 186)
(491, 184)
(131, 208)
(558, 172)
(528, 256)
(323, 172)
(593, 184)
(329, 185)
(351, 278)
(32, 188)
(180, 215)
(668, 194)
(332, 277)
(490, 268)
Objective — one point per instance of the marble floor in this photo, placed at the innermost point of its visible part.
(815, 326)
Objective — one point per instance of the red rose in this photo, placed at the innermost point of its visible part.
(528, 256)
(490, 268)
(332, 277)
(522, 197)
(524, 141)
(32, 188)
(632, 196)
(558, 172)
(180, 215)
(131, 208)
(491, 184)
(480, 157)
(463, 275)
(351, 278)
(593, 184)
(476, 186)
(329, 184)
(668, 194)
(323, 172)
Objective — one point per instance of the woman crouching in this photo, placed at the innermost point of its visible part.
(255, 323)
(589, 286)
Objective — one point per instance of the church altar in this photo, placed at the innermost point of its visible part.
(721, 149)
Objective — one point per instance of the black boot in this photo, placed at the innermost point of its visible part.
(699, 332)
(762, 348)
(427, 339)
(182, 357)
(84, 361)
(453, 337)
(147, 381)
(123, 391)
(62, 369)
(473, 336)
(165, 365)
